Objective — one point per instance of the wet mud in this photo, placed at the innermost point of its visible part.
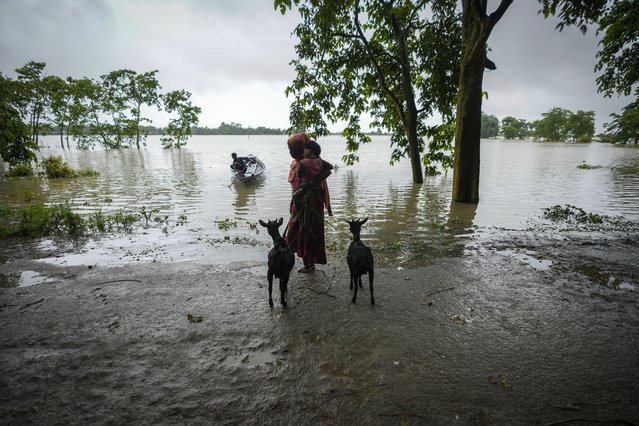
(522, 329)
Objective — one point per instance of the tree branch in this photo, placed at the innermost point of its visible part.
(497, 14)
(378, 69)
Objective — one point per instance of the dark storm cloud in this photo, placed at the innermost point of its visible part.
(67, 35)
(210, 43)
(221, 50)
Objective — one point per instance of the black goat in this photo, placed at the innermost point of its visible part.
(359, 259)
(280, 260)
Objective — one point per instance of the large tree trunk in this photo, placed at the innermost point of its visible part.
(476, 28)
(413, 148)
(468, 130)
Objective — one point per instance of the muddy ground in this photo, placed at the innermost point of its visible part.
(528, 329)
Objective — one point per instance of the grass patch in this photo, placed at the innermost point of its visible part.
(39, 220)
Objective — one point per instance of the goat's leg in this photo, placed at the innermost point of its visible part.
(283, 289)
(360, 281)
(352, 278)
(355, 288)
(370, 282)
(270, 288)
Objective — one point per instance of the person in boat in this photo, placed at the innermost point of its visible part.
(308, 173)
(239, 163)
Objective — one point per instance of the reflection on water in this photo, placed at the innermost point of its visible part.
(406, 221)
(245, 201)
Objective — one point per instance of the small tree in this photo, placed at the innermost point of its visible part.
(79, 113)
(59, 100)
(581, 126)
(32, 92)
(98, 108)
(489, 125)
(514, 128)
(553, 126)
(128, 92)
(179, 129)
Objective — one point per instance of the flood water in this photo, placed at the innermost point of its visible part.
(193, 189)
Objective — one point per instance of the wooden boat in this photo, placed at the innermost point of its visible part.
(254, 169)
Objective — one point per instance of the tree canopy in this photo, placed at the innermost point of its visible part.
(559, 124)
(16, 144)
(624, 127)
(489, 125)
(514, 128)
(106, 111)
(179, 128)
(396, 61)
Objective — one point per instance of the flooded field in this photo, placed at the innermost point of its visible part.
(197, 212)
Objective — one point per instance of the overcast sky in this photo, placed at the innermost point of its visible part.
(233, 55)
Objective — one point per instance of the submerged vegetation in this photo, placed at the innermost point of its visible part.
(585, 166)
(52, 167)
(56, 167)
(41, 220)
(573, 214)
(20, 170)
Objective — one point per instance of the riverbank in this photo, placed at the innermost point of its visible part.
(527, 329)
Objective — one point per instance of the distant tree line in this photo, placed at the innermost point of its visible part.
(562, 125)
(222, 129)
(237, 129)
(107, 111)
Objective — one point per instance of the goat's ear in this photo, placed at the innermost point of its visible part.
(262, 223)
(364, 221)
(280, 221)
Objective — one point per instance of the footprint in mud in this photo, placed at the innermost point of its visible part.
(102, 297)
(114, 326)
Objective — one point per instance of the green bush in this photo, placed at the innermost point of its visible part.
(20, 169)
(55, 167)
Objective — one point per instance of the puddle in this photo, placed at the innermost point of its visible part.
(606, 280)
(525, 257)
(528, 259)
(250, 358)
(29, 278)
(150, 249)
(23, 279)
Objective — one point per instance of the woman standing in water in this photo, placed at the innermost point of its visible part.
(307, 175)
